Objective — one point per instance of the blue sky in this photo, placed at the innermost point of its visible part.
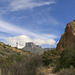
(38, 21)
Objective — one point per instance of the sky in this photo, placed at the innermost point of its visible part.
(39, 21)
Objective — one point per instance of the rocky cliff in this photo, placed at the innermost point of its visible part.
(33, 48)
(68, 38)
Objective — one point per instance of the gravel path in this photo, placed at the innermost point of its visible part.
(50, 71)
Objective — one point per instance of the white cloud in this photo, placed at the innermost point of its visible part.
(28, 4)
(13, 29)
(25, 35)
(41, 41)
(22, 39)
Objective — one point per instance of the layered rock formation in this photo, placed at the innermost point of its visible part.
(68, 38)
(33, 48)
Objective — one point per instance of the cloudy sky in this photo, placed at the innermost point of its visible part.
(38, 21)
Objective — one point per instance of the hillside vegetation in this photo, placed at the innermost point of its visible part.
(18, 62)
(14, 61)
(66, 62)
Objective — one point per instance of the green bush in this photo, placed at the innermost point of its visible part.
(67, 58)
(50, 57)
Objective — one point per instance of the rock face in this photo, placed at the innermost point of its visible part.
(68, 38)
(33, 48)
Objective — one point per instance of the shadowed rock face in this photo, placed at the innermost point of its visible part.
(68, 38)
(33, 48)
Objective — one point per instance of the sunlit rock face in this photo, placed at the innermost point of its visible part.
(68, 38)
(33, 48)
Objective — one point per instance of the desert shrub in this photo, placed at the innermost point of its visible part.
(21, 65)
(32, 64)
(50, 57)
(56, 68)
(4, 46)
(67, 72)
(2, 53)
(41, 71)
(15, 57)
(67, 58)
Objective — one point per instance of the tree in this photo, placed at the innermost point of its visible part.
(67, 58)
(50, 57)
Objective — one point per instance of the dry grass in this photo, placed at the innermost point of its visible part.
(42, 71)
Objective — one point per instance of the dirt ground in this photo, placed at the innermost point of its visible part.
(50, 71)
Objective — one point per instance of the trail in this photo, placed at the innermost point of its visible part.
(50, 71)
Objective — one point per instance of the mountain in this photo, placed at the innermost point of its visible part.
(33, 48)
(14, 61)
(46, 49)
(68, 38)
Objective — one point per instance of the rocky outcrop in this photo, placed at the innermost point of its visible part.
(33, 48)
(68, 38)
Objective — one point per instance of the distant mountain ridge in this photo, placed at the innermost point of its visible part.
(30, 46)
(33, 48)
(46, 49)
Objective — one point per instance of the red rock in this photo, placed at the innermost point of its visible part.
(68, 38)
